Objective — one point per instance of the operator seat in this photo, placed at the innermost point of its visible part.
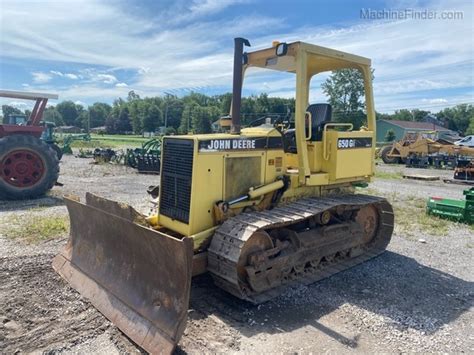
(320, 115)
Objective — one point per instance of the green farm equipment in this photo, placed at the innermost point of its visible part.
(147, 158)
(49, 137)
(71, 138)
(457, 210)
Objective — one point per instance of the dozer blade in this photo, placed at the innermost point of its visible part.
(139, 278)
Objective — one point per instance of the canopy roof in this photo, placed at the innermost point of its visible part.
(26, 95)
(319, 58)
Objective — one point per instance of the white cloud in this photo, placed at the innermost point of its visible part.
(65, 75)
(40, 77)
(19, 104)
(105, 78)
(409, 57)
(121, 85)
(435, 101)
(55, 72)
(207, 7)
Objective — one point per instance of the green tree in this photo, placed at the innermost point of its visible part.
(123, 124)
(390, 136)
(225, 101)
(52, 115)
(470, 128)
(262, 104)
(152, 119)
(186, 118)
(98, 113)
(8, 110)
(383, 116)
(172, 109)
(419, 115)
(68, 111)
(111, 124)
(402, 115)
(170, 131)
(457, 118)
(132, 96)
(201, 119)
(345, 88)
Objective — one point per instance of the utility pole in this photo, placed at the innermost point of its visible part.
(166, 109)
(189, 118)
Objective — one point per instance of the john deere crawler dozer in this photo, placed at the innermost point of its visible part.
(258, 208)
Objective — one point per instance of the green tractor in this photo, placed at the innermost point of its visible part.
(456, 210)
(48, 137)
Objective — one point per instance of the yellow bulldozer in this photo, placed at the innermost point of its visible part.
(259, 208)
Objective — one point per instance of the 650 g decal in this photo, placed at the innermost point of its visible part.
(351, 143)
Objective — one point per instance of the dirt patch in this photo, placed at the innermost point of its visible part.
(43, 313)
(416, 297)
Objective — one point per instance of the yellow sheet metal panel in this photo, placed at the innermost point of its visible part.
(315, 155)
(240, 174)
(224, 167)
(275, 165)
(208, 187)
(349, 155)
(174, 225)
(318, 179)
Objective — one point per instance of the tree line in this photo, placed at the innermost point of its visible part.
(196, 112)
(192, 113)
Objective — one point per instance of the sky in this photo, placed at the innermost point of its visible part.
(98, 50)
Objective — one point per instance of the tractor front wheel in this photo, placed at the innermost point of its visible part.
(28, 167)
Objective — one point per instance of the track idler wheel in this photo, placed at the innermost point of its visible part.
(255, 246)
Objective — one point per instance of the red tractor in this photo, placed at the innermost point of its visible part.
(28, 166)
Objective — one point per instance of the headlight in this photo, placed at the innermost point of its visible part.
(281, 49)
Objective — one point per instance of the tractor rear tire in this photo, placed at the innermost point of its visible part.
(29, 167)
(59, 151)
(386, 159)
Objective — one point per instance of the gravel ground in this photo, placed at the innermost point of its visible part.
(416, 297)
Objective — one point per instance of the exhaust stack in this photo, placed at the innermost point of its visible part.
(237, 83)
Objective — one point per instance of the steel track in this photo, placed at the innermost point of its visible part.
(230, 237)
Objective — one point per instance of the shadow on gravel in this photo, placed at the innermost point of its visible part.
(396, 288)
(21, 205)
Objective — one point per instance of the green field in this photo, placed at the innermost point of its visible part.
(111, 141)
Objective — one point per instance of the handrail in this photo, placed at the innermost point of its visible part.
(310, 125)
(326, 152)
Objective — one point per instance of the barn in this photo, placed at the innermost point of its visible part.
(401, 127)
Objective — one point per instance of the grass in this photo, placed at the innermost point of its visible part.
(110, 141)
(411, 219)
(90, 144)
(388, 175)
(35, 228)
(120, 138)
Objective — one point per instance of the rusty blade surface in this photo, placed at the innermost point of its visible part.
(139, 278)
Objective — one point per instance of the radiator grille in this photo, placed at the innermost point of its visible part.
(176, 178)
